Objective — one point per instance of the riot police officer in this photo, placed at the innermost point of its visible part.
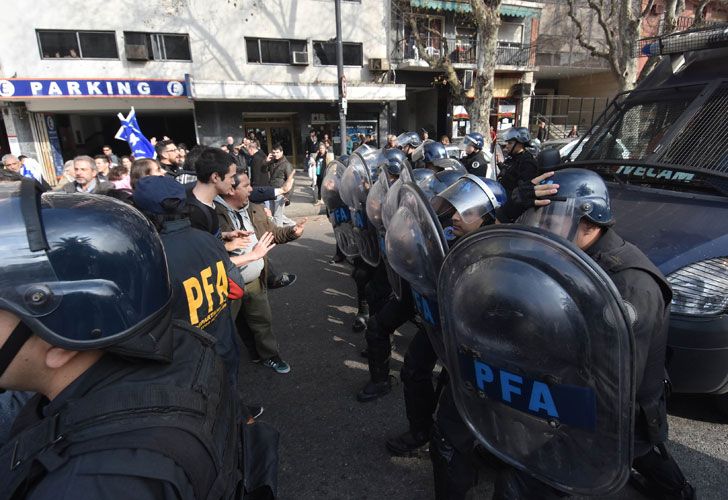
(586, 219)
(474, 160)
(408, 142)
(520, 164)
(431, 155)
(592, 350)
(85, 323)
(396, 311)
(464, 206)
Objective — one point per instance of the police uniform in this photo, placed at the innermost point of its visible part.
(519, 167)
(154, 416)
(200, 270)
(104, 436)
(476, 163)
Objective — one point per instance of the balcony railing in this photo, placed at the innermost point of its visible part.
(510, 54)
(462, 50)
(459, 49)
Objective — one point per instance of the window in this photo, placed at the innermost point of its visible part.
(159, 46)
(324, 53)
(78, 44)
(510, 34)
(273, 51)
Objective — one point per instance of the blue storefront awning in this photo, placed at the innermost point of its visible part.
(505, 10)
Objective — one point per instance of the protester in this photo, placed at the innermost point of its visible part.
(142, 168)
(109, 154)
(254, 321)
(85, 178)
(102, 167)
(281, 171)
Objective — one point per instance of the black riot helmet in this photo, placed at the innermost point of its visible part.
(518, 134)
(394, 161)
(582, 195)
(82, 272)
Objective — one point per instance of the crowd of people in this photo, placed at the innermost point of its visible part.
(109, 315)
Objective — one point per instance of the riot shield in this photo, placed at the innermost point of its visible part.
(391, 203)
(375, 202)
(540, 356)
(416, 247)
(338, 211)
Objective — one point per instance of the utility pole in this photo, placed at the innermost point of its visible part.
(342, 78)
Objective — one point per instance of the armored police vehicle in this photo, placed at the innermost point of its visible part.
(663, 149)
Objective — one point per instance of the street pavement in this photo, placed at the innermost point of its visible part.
(332, 447)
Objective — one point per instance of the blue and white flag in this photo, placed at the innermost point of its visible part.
(130, 132)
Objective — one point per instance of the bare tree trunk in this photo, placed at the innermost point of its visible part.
(488, 22)
(620, 22)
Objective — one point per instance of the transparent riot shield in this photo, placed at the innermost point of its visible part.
(416, 247)
(539, 351)
(356, 182)
(338, 211)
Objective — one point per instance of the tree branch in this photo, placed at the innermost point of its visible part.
(647, 8)
(580, 37)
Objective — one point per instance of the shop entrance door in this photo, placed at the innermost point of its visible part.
(270, 132)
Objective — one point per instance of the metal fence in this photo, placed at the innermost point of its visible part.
(562, 112)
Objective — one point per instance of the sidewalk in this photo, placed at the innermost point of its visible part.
(302, 198)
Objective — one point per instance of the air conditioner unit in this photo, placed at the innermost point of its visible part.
(136, 52)
(300, 58)
(378, 64)
(468, 79)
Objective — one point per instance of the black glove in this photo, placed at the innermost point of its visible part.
(522, 198)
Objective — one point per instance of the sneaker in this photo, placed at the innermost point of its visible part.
(277, 364)
(408, 444)
(255, 411)
(282, 281)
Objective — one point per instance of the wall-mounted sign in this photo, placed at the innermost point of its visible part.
(23, 88)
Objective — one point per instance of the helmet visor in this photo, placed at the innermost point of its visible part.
(408, 139)
(558, 217)
(469, 197)
(467, 141)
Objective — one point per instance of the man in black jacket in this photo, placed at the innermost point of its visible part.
(281, 172)
(520, 166)
(474, 160)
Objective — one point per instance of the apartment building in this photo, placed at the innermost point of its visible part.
(196, 71)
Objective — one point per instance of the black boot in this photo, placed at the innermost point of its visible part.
(408, 444)
(373, 390)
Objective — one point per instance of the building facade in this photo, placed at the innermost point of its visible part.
(195, 71)
(448, 31)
